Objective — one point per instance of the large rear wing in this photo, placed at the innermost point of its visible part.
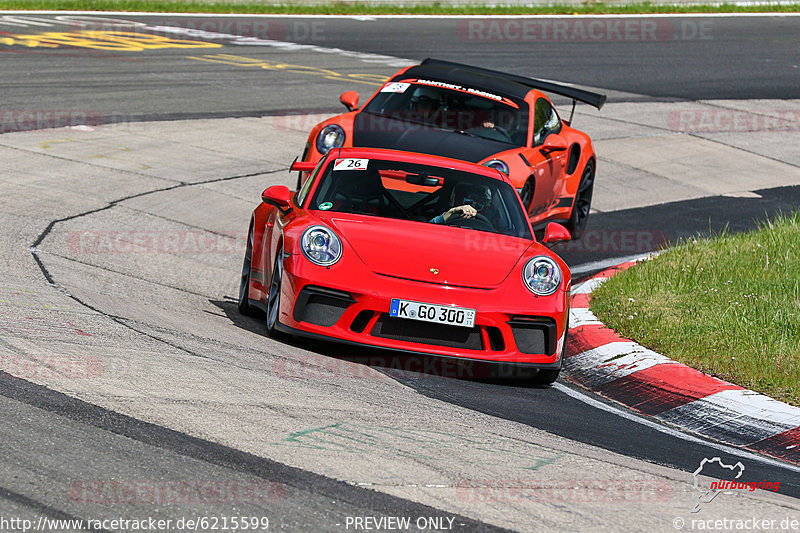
(593, 99)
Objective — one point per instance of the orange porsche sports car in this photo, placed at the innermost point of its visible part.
(499, 120)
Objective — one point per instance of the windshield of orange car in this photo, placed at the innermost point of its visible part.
(451, 107)
(420, 193)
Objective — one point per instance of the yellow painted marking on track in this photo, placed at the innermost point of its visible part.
(241, 61)
(117, 41)
(30, 43)
(105, 150)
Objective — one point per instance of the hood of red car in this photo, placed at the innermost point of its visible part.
(428, 252)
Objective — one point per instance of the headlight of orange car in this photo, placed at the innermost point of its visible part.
(331, 136)
(497, 165)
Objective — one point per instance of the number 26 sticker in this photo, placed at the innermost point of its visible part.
(350, 164)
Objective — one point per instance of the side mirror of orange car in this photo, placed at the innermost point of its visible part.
(555, 233)
(279, 196)
(553, 143)
(350, 100)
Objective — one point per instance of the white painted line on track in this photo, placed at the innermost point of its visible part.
(588, 286)
(615, 360)
(737, 452)
(579, 316)
(607, 263)
(748, 403)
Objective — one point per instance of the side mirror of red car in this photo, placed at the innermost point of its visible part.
(555, 233)
(350, 100)
(553, 143)
(279, 196)
(302, 166)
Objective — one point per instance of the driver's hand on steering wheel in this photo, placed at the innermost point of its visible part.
(463, 211)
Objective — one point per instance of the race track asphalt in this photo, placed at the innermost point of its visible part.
(189, 390)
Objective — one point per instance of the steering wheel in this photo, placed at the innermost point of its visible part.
(478, 222)
(495, 133)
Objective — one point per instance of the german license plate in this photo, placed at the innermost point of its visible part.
(439, 314)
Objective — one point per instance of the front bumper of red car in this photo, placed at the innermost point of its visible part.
(511, 325)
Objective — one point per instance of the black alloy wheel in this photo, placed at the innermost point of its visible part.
(583, 203)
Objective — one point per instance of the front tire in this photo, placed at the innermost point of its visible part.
(244, 284)
(583, 203)
(274, 298)
(546, 377)
(550, 375)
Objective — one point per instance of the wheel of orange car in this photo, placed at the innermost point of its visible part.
(244, 284)
(274, 298)
(527, 193)
(583, 203)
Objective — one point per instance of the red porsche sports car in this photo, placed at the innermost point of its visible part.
(483, 116)
(409, 252)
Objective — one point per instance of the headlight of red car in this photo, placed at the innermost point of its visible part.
(320, 245)
(541, 275)
(331, 136)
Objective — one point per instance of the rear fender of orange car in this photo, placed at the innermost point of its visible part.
(581, 152)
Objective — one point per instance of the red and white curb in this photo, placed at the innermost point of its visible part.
(656, 386)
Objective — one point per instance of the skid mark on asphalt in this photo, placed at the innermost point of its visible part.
(419, 444)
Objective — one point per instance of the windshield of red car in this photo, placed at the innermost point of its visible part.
(420, 193)
(454, 108)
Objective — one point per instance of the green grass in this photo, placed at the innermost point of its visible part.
(728, 306)
(342, 8)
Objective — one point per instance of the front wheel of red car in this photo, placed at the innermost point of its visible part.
(583, 203)
(550, 375)
(244, 284)
(546, 377)
(274, 299)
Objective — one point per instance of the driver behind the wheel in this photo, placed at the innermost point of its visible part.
(426, 105)
(468, 200)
